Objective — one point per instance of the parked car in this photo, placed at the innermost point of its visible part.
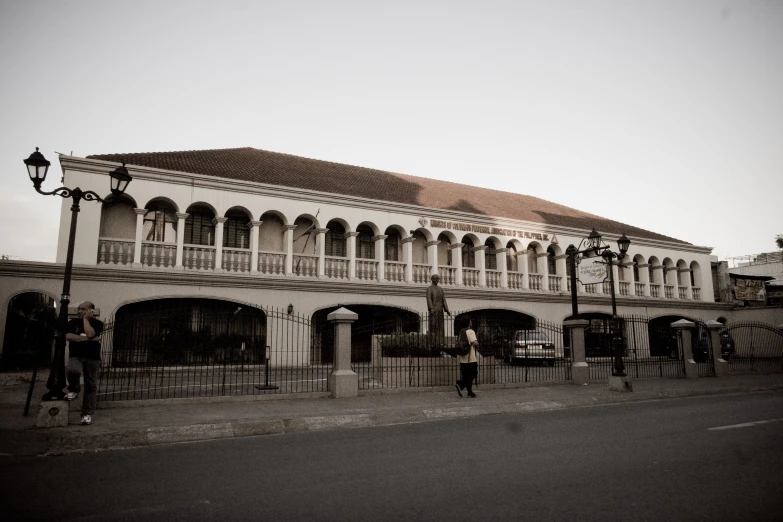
(530, 345)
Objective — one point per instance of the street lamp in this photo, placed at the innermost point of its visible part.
(593, 243)
(37, 168)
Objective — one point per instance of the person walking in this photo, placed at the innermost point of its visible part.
(83, 335)
(468, 363)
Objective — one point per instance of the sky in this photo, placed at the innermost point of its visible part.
(666, 115)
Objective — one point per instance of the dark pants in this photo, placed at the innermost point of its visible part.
(469, 372)
(76, 367)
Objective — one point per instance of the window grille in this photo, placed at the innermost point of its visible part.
(160, 224)
(199, 229)
(235, 231)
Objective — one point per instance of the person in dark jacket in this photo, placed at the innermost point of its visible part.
(84, 345)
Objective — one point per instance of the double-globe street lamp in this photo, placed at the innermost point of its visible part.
(593, 244)
(37, 168)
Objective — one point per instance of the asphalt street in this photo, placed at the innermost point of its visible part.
(700, 458)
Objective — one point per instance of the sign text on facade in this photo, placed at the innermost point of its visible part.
(484, 229)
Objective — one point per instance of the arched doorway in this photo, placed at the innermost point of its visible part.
(373, 320)
(188, 331)
(29, 331)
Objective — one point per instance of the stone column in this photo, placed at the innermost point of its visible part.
(688, 287)
(181, 217)
(481, 264)
(560, 263)
(456, 259)
(545, 272)
(501, 262)
(219, 222)
(644, 277)
(254, 226)
(343, 382)
(676, 285)
(289, 249)
(321, 243)
(522, 267)
(721, 366)
(407, 253)
(686, 327)
(628, 269)
(580, 372)
(380, 255)
(432, 256)
(140, 213)
(351, 246)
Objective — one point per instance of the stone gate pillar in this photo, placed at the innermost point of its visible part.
(343, 382)
(721, 366)
(691, 370)
(580, 372)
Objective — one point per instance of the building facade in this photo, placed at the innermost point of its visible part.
(265, 230)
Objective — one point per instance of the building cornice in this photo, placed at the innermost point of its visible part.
(96, 166)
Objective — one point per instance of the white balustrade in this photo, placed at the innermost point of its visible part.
(515, 280)
(470, 277)
(591, 289)
(305, 265)
(336, 267)
(366, 270)
(536, 281)
(493, 278)
(669, 291)
(607, 286)
(448, 275)
(421, 273)
(683, 292)
(655, 290)
(555, 283)
(395, 272)
(696, 291)
(236, 259)
(639, 289)
(198, 257)
(115, 251)
(625, 288)
(271, 263)
(157, 253)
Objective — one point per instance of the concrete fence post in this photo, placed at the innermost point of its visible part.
(580, 372)
(691, 370)
(721, 366)
(343, 382)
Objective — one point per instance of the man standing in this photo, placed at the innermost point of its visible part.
(468, 363)
(436, 304)
(83, 336)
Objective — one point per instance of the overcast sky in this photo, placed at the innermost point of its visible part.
(667, 115)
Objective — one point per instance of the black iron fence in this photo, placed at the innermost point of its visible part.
(752, 346)
(510, 351)
(197, 352)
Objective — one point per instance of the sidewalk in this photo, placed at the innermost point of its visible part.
(126, 424)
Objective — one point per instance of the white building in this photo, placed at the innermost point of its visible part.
(264, 230)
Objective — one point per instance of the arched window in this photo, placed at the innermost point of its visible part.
(160, 222)
(490, 256)
(651, 274)
(468, 254)
(236, 234)
(636, 271)
(334, 240)
(199, 229)
(551, 262)
(365, 248)
(532, 260)
(392, 244)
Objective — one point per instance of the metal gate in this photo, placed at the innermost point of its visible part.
(196, 350)
(752, 346)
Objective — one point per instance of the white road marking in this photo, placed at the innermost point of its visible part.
(744, 425)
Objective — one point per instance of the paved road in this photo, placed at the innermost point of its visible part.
(705, 458)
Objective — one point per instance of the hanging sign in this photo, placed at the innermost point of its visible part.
(591, 271)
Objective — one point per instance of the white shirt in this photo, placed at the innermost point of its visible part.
(471, 356)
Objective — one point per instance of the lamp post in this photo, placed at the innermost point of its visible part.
(37, 168)
(593, 243)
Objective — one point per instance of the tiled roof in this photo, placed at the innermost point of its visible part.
(274, 168)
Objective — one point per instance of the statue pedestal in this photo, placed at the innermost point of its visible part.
(52, 414)
(620, 383)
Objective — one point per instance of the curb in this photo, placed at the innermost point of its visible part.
(59, 441)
